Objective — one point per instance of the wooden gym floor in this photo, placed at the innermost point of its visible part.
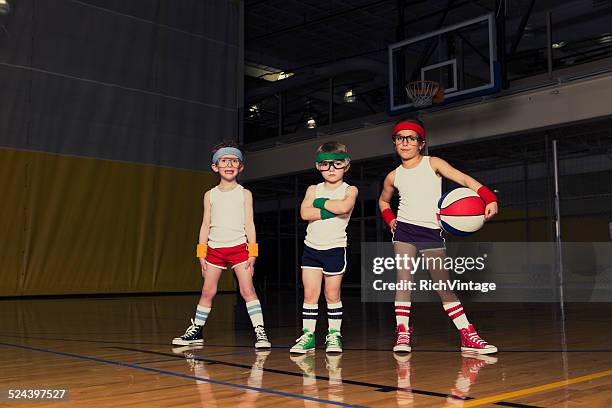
(116, 352)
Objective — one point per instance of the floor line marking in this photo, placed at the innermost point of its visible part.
(532, 390)
(191, 377)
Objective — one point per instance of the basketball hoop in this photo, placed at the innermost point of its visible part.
(424, 93)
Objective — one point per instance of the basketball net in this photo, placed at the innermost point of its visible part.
(424, 93)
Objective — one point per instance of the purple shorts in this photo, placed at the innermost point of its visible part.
(422, 237)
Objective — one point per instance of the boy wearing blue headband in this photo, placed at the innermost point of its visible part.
(327, 207)
(227, 238)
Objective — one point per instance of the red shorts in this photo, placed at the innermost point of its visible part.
(222, 257)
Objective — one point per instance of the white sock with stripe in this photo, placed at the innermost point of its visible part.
(255, 313)
(402, 313)
(309, 316)
(457, 315)
(334, 315)
(201, 315)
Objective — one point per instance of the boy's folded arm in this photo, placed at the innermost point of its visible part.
(307, 211)
(345, 205)
(311, 214)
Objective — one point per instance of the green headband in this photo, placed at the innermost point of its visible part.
(331, 156)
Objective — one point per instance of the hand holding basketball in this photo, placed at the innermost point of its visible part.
(461, 211)
(490, 210)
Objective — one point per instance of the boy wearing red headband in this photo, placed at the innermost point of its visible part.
(227, 238)
(415, 229)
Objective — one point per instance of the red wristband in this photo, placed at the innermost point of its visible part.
(388, 215)
(487, 195)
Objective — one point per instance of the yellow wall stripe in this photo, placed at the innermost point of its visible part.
(79, 225)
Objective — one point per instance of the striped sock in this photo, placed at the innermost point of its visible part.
(201, 315)
(402, 313)
(334, 315)
(309, 316)
(457, 315)
(254, 309)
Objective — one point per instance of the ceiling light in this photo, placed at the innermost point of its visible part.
(259, 71)
(559, 44)
(283, 75)
(311, 123)
(5, 8)
(349, 96)
(253, 111)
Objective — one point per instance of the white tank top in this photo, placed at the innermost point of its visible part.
(420, 190)
(226, 218)
(329, 233)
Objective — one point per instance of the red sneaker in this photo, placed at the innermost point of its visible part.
(471, 342)
(402, 343)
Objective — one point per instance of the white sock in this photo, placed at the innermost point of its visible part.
(334, 315)
(254, 309)
(201, 315)
(457, 315)
(309, 316)
(402, 313)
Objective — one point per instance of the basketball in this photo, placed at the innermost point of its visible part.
(461, 212)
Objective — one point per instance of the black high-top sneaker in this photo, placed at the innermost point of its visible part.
(192, 336)
(261, 338)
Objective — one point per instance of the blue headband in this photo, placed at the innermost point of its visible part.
(226, 150)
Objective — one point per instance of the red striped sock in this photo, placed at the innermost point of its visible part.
(457, 315)
(402, 313)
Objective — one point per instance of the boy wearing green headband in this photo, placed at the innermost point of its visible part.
(327, 207)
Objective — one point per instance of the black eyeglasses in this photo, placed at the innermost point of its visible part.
(326, 164)
(398, 139)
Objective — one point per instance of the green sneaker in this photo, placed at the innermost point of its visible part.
(304, 344)
(333, 342)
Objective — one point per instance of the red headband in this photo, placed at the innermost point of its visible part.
(409, 126)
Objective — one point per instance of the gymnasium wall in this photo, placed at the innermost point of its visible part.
(81, 225)
(108, 112)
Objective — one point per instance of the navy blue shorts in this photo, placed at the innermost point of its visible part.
(330, 261)
(422, 237)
